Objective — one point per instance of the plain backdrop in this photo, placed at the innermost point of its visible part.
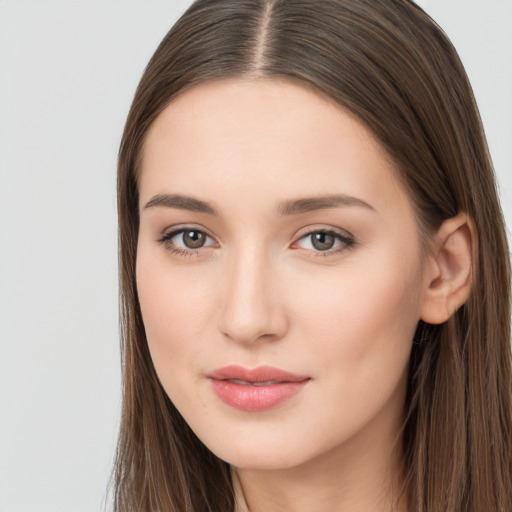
(68, 70)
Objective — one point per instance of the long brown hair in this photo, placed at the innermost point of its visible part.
(394, 68)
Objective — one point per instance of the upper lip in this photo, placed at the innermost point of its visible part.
(259, 374)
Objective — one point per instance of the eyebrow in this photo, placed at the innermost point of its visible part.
(308, 204)
(290, 207)
(180, 202)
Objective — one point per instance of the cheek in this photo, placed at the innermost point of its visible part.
(357, 334)
(363, 318)
(176, 309)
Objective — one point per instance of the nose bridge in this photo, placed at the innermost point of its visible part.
(250, 308)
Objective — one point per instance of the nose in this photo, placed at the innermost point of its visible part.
(252, 306)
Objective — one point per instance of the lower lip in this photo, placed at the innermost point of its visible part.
(255, 398)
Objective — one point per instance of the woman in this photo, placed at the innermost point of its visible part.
(314, 269)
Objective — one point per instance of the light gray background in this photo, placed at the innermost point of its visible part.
(68, 70)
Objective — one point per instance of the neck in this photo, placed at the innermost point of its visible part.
(320, 490)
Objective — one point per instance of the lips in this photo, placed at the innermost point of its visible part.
(255, 389)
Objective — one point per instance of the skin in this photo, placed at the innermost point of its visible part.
(258, 292)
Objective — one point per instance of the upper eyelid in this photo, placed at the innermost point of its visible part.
(180, 228)
(323, 229)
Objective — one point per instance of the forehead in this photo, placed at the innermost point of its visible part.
(267, 136)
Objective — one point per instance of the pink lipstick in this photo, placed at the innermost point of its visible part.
(255, 389)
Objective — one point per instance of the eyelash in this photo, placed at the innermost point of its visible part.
(346, 242)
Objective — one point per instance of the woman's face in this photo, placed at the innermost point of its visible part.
(279, 273)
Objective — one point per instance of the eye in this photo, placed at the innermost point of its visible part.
(186, 240)
(191, 239)
(324, 241)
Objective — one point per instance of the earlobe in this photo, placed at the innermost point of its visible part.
(449, 270)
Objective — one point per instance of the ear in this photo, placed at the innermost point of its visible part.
(448, 270)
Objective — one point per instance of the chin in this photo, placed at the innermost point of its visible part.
(263, 453)
(262, 461)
